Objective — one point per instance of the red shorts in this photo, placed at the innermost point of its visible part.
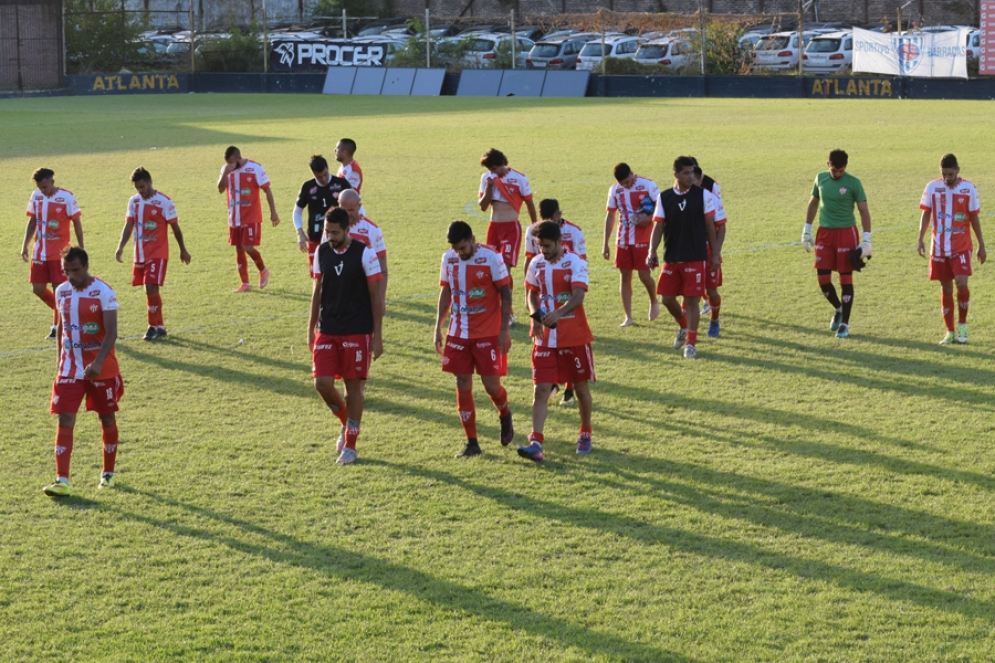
(47, 271)
(833, 246)
(343, 357)
(682, 279)
(505, 237)
(102, 396)
(150, 272)
(312, 248)
(246, 235)
(462, 355)
(632, 257)
(945, 268)
(713, 280)
(561, 365)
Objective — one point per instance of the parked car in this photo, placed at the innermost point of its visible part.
(672, 53)
(973, 43)
(392, 45)
(829, 53)
(485, 46)
(615, 46)
(779, 50)
(559, 52)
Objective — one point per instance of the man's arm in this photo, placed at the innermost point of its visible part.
(485, 200)
(504, 336)
(720, 237)
(445, 300)
(865, 216)
(78, 229)
(129, 226)
(312, 320)
(178, 234)
(378, 304)
(651, 259)
(223, 180)
(299, 225)
(532, 210)
(535, 327)
(609, 225)
(924, 219)
(713, 241)
(383, 286)
(976, 224)
(576, 299)
(110, 336)
(28, 232)
(274, 217)
(813, 209)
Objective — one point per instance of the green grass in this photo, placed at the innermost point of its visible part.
(787, 497)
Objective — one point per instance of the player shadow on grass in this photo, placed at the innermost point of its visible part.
(342, 564)
(645, 532)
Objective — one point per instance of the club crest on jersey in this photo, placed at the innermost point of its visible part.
(58, 210)
(842, 190)
(154, 211)
(94, 308)
(481, 274)
(338, 268)
(682, 205)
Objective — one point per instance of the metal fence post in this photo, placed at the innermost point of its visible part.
(428, 40)
(265, 41)
(193, 42)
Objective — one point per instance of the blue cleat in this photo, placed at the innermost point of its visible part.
(533, 451)
(713, 329)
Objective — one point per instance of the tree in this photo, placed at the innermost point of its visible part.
(100, 36)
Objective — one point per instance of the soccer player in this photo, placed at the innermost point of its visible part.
(87, 309)
(556, 284)
(632, 198)
(503, 191)
(149, 213)
(367, 232)
(318, 195)
(572, 239)
(952, 204)
(476, 291)
(713, 281)
(242, 179)
(345, 326)
(684, 217)
(50, 211)
(834, 195)
(349, 168)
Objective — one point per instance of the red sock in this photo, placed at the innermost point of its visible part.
(682, 321)
(692, 337)
(715, 303)
(257, 258)
(109, 437)
(154, 304)
(243, 271)
(351, 435)
(963, 301)
(536, 437)
(501, 402)
(63, 451)
(340, 404)
(948, 309)
(585, 431)
(49, 298)
(467, 412)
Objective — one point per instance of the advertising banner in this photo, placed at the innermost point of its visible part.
(986, 61)
(916, 54)
(297, 56)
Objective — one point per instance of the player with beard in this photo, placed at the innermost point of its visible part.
(242, 179)
(318, 195)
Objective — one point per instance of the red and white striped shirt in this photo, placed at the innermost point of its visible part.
(53, 215)
(474, 284)
(151, 217)
(571, 237)
(627, 202)
(555, 281)
(353, 173)
(82, 315)
(244, 206)
(952, 209)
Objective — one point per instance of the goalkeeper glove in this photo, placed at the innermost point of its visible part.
(807, 240)
(865, 249)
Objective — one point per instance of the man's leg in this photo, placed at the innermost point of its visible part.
(153, 305)
(243, 269)
(467, 414)
(674, 308)
(540, 396)
(646, 278)
(499, 396)
(963, 302)
(63, 454)
(257, 258)
(585, 404)
(325, 386)
(354, 389)
(625, 292)
(109, 441)
(825, 277)
(714, 305)
(846, 290)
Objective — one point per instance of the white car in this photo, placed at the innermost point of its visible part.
(672, 53)
(829, 53)
(780, 50)
(973, 44)
(485, 47)
(615, 46)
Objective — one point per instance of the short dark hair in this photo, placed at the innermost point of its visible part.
(339, 217)
(231, 152)
(349, 144)
(318, 163)
(458, 232)
(693, 158)
(949, 161)
(43, 174)
(548, 207)
(838, 158)
(141, 174)
(73, 253)
(680, 163)
(492, 158)
(622, 171)
(698, 172)
(547, 230)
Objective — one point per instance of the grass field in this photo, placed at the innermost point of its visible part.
(788, 497)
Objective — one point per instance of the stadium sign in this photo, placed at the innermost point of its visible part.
(854, 87)
(128, 84)
(917, 54)
(319, 55)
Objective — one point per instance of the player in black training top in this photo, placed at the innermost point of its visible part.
(319, 194)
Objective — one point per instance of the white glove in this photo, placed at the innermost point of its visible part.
(865, 249)
(807, 241)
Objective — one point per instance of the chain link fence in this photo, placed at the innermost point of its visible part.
(30, 45)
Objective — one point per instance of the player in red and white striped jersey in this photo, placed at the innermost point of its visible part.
(713, 279)
(349, 169)
(365, 231)
(149, 214)
(243, 179)
(87, 309)
(476, 295)
(952, 204)
(556, 283)
(50, 212)
(631, 197)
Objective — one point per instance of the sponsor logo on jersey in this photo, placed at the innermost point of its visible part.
(347, 344)
(91, 328)
(563, 297)
(960, 216)
(477, 293)
(313, 190)
(93, 345)
(480, 261)
(246, 191)
(450, 344)
(151, 225)
(93, 293)
(324, 347)
(543, 353)
(53, 224)
(453, 261)
(468, 310)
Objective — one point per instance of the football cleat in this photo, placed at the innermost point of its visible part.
(713, 328)
(947, 339)
(962, 332)
(58, 489)
(533, 451)
(507, 430)
(347, 456)
(555, 389)
(834, 324)
(706, 308)
(160, 332)
(584, 446)
(52, 334)
(568, 397)
(106, 480)
(150, 334)
(245, 287)
(690, 352)
(340, 444)
(263, 278)
(472, 449)
(843, 331)
(682, 337)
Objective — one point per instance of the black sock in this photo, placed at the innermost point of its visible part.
(847, 289)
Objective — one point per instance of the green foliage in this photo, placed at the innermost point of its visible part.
(723, 56)
(99, 37)
(450, 55)
(241, 52)
(333, 8)
(630, 67)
